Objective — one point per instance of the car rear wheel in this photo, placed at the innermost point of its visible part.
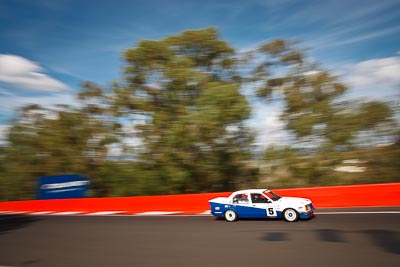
(230, 216)
(290, 215)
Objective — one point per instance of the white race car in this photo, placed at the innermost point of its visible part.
(261, 203)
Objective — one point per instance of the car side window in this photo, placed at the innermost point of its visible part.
(258, 198)
(240, 199)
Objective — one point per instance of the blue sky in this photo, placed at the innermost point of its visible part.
(48, 47)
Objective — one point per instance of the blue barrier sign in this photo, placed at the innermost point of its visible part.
(62, 186)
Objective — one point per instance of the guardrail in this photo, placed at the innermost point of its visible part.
(372, 195)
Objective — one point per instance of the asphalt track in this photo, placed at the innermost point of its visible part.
(330, 239)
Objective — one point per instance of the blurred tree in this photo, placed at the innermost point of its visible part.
(323, 124)
(4, 189)
(186, 88)
(46, 141)
(313, 111)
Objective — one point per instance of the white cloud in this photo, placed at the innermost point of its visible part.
(377, 71)
(26, 74)
(375, 77)
(9, 103)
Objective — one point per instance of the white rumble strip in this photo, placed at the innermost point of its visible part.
(67, 213)
(156, 213)
(41, 212)
(207, 212)
(14, 212)
(106, 213)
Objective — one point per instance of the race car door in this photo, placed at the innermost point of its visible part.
(263, 206)
(242, 205)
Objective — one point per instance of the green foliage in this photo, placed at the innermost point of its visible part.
(374, 113)
(56, 141)
(312, 109)
(320, 122)
(195, 139)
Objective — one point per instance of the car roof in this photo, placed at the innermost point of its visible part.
(245, 191)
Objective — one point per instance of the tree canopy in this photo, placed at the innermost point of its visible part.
(195, 136)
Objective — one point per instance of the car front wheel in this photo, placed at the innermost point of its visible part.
(290, 215)
(230, 216)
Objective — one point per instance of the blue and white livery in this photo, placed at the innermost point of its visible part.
(259, 204)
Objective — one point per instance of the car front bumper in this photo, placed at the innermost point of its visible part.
(307, 215)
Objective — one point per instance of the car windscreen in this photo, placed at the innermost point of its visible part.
(272, 195)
